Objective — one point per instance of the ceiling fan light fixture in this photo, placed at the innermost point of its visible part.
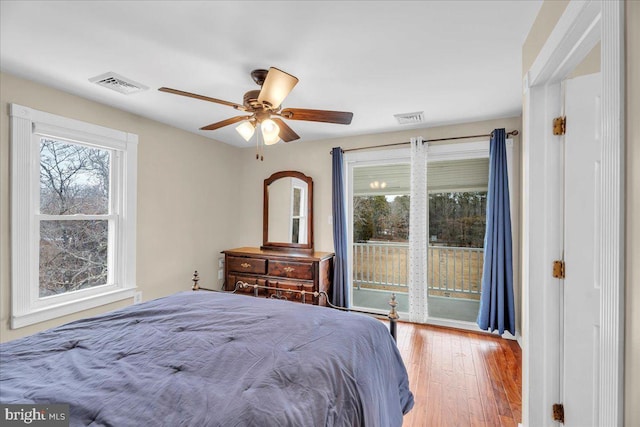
(270, 132)
(276, 87)
(246, 130)
(260, 105)
(271, 140)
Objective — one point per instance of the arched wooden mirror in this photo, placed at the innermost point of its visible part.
(288, 212)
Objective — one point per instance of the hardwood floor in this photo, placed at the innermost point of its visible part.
(461, 378)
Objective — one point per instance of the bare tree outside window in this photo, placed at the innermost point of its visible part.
(74, 180)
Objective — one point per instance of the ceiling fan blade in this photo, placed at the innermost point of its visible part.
(277, 85)
(201, 97)
(286, 133)
(218, 125)
(339, 117)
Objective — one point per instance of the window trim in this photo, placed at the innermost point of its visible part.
(27, 126)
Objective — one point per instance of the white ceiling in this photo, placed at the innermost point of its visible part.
(458, 61)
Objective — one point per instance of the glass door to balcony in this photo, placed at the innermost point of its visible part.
(380, 213)
(457, 217)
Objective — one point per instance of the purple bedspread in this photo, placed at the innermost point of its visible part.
(211, 359)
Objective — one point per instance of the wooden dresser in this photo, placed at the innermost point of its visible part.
(284, 270)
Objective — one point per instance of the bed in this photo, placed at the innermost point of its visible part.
(213, 359)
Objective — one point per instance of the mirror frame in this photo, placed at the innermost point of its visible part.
(266, 244)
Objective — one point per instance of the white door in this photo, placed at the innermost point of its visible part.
(581, 293)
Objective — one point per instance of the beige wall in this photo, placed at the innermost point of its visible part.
(590, 64)
(548, 17)
(184, 197)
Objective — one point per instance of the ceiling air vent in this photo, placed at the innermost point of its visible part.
(118, 83)
(409, 118)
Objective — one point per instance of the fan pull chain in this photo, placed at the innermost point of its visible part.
(259, 147)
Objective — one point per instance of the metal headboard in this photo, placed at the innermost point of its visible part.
(392, 316)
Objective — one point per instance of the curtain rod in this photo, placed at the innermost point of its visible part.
(512, 133)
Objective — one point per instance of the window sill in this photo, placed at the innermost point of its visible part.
(53, 312)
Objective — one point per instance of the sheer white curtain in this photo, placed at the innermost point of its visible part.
(418, 230)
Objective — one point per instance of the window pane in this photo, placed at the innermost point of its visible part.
(457, 219)
(455, 257)
(297, 195)
(74, 179)
(457, 215)
(381, 218)
(295, 231)
(458, 175)
(381, 204)
(73, 255)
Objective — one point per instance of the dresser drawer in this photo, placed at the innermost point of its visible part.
(292, 270)
(234, 279)
(284, 289)
(247, 265)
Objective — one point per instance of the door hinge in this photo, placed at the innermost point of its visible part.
(558, 412)
(558, 269)
(560, 125)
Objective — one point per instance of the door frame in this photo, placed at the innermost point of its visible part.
(579, 29)
(361, 159)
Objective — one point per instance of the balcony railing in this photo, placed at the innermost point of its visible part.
(451, 271)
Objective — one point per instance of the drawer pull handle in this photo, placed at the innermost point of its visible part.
(289, 269)
(245, 265)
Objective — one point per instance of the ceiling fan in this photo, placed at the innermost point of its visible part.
(264, 108)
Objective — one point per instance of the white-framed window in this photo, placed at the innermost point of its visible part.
(73, 215)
